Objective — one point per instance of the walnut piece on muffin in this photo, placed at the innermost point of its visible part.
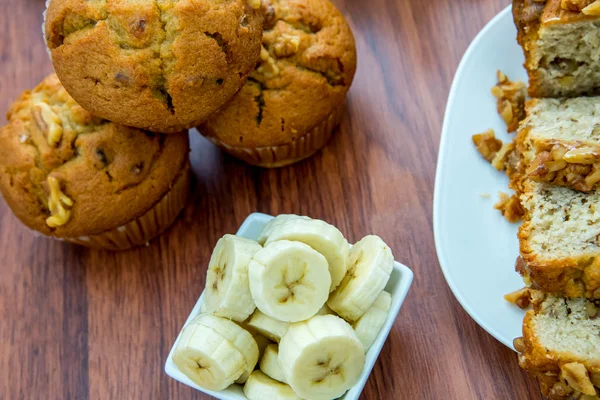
(68, 174)
(295, 97)
(160, 65)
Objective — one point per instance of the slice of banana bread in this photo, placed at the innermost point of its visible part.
(559, 239)
(560, 142)
(561, 346)
(561, 42)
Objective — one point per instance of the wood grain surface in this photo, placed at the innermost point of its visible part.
(78, 323)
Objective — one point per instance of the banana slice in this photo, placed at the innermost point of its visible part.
(369, 325)
(269, 363)
(270, 327)
(207, 358)
(321, 358)
(325, 310)
(240, 338)
(321, 236)
(261, 341)
(227, 292)
(274, 223)
(260, 387)
(289, 281)
(371, 263)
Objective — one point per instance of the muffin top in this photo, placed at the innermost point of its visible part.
(160, 65)
(66, 173)
(308, 61)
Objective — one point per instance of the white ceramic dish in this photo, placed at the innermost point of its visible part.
(398, 286)
(476, 247)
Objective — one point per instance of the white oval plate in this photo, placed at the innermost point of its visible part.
(476, 246)
(398, 285)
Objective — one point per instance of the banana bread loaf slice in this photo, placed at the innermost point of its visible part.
(561, 346)
(560, 142)
(561, 42)
(559, 239)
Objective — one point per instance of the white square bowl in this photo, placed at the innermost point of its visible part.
(398, 286)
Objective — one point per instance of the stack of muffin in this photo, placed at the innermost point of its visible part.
(98, 153)
(554, 166)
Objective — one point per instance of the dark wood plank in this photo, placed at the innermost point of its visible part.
(78, 323)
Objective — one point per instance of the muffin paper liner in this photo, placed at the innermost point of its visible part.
(286, 154)
(147, 227)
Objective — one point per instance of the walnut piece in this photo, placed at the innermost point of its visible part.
(577, 377)
(592, 9)
(286, 45)
(487, 144)
(519, 344)
(56, 203)
(48, 122)
(510, 207)
(581, 155)
(501, 158)
(510, 100)
(578, 167)
(268, 66)
(521, 298)
(592, 310)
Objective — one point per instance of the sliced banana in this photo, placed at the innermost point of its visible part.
(321, 358)
(276, 222)
(207, 358)
(227, 292)
(260, 387)
(289, 281)
(240, 338)
(371, 263)
(325, 310)
(321, 236)
(269, 327)
(269, 363)
(368, 326)
(261, 341)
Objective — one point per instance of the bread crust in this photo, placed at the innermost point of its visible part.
(309, 62)
(570, 276)
(113, 174)
(161, 65)
(569, 163)
(531, 17)
(546, 365)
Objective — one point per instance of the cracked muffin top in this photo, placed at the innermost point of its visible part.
(307, 65)
(160, 65)
(66, 173)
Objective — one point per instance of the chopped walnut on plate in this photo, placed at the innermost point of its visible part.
(510, 207)
(510, 98)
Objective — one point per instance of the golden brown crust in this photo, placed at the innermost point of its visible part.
(113, 174)
(159, 65)
(308, 64)
(141, 230)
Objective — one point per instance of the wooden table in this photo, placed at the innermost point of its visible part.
(78, 323)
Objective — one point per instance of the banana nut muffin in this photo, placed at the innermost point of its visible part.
(294, 99)
(160, 65)
(73, 176)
